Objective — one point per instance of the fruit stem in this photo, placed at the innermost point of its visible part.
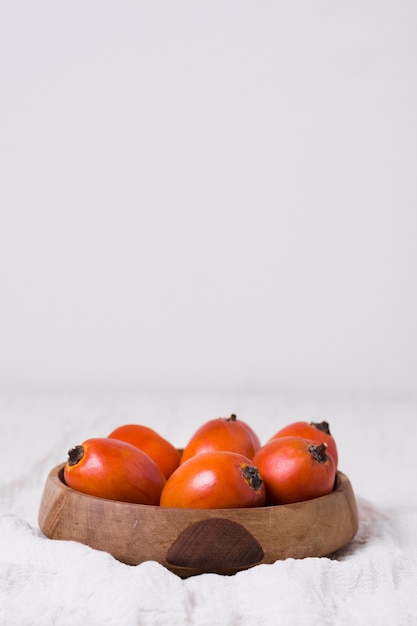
(252, 475)
(75, 455)
(232, 418)
(323, 426)
(318, 452)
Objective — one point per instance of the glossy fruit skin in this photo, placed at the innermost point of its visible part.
(291, 472)
(308, 430)
(255, 439)
(165, 455)
(214, 480)
(115, 470)
(222, 433)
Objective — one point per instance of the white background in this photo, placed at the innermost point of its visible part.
(204, 196)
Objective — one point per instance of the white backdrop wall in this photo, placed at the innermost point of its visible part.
(209, 195)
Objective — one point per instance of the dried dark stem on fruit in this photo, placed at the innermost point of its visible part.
(252, 475)
(318, 452)
(322, 426)
(232, 418)
(75, 455)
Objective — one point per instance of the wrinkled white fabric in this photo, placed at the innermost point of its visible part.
(372, 581)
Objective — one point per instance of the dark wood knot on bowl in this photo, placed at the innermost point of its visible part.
(215, 544)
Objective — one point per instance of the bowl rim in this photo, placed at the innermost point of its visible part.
(57, 475)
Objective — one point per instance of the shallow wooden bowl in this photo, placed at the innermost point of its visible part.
(194, 541)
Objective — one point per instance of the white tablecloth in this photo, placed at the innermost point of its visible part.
(372, 581)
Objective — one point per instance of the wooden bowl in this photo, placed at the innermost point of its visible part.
(195, 541)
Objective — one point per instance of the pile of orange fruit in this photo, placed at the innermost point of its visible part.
(223, 465)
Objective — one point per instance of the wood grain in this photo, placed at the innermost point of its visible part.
(192, 541)
(215, 544)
